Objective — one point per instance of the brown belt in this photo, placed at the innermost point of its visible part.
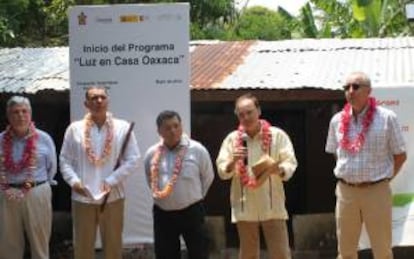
(362, 184)
(27, 185)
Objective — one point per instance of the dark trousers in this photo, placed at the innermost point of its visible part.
(188, 222)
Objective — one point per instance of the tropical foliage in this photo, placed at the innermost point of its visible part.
(44, 22)
(33, 22)
(262, 23)
(354, 19)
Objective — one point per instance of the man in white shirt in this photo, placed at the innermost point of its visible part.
(88, 159)
(179, 172)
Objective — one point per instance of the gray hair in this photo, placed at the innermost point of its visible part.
(365, 80)
(18, 100)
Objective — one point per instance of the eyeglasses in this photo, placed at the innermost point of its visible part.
(354, 86)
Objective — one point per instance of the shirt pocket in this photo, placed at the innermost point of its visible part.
(42, 157)
(377, 139)
(189, 168)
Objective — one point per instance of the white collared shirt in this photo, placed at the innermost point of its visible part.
(194, 179)
(76, 167)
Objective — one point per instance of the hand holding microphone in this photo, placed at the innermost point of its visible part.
(239, 152)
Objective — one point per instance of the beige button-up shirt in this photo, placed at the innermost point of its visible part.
(268, 200)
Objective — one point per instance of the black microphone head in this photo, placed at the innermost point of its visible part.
(244, 143)
(244, 139)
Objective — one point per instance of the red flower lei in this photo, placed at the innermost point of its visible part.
(266, 138)
(92, 157)
(355, 145)
(155, 168)
(27, 162)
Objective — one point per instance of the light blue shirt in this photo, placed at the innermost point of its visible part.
(46, 160)
(194, 179)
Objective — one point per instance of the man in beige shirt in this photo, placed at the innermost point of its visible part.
(257, 196)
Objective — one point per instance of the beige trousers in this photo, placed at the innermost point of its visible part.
(31, 216)
(86, 219)
(275, 234)
(370, 205)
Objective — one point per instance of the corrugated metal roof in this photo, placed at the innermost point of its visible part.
(289, 64)
(212, 63)
(33, 69)
(324, 63)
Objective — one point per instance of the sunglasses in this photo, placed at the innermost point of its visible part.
(354, 86)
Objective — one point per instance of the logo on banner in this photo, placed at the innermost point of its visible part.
(133, 18)
(82, 19)
(169, 17)
(388, 102)
(103, 19)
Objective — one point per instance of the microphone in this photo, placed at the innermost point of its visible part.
(244, 144)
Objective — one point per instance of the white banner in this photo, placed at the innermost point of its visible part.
(400, 100)
(141, 54)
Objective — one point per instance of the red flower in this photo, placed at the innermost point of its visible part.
(25, 165)
(266, 138)
(355, 145)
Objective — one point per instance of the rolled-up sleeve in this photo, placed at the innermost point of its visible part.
(286, 154)
(51, 166)
(224, 157)
(67, 158)
(396, 143)
(129, 162)
(206, 170)
(331, 140)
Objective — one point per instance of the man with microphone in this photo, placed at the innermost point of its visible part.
(257, 157)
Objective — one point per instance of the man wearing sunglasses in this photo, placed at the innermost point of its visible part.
(369, 149)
